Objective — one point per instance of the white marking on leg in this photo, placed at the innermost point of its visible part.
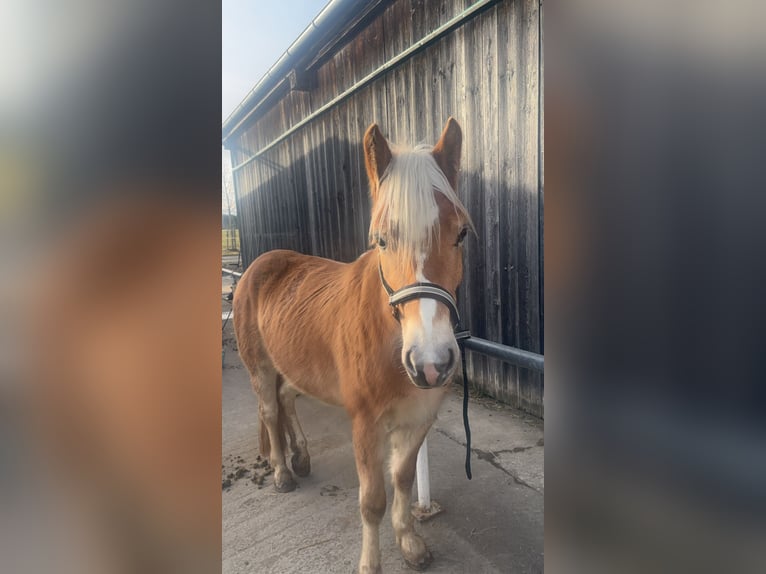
(370, 559)
(404, 443)
(400, 508)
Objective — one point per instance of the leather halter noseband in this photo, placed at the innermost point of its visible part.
(419, 291)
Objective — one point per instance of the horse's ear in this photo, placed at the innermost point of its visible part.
(446, 152)
(377, 156)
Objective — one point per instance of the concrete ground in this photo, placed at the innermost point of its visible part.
(491, 524)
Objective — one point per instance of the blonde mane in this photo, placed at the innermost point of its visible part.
(406, 212)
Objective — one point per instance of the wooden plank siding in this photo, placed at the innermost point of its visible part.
(309, 192)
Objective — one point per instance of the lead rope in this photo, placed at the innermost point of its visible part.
(461, 337)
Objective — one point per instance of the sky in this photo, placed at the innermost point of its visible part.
(255, 33)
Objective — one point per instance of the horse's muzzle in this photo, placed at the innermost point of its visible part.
(429, 375)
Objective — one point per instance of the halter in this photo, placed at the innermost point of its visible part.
(438, 293)
(419, 291)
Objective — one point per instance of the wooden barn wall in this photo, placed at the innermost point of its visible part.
(309, 192)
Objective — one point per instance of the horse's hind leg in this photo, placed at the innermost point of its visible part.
(405, 443)
(301, 462)
(265, 382)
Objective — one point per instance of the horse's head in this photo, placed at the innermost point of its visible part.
(418, 225)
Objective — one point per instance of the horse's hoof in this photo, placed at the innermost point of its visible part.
(423, 563)
(287, 486)
(301, 465)
(285, 482)
(414, 551)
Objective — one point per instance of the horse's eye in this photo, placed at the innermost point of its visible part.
(461, 235)
(381, 242)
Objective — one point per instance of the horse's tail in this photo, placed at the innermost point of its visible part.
(265, 442)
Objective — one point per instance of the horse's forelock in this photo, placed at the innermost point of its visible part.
(406, 211)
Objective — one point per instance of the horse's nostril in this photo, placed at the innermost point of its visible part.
(447, 365)
(451, 360)
(409, 362)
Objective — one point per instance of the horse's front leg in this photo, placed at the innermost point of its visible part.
(368, 450)
(405, 443)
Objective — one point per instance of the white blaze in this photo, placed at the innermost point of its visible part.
(427, 306)
(433, 332)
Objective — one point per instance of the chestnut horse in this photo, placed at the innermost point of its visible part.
(374, 336)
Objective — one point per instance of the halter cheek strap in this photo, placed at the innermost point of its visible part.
(419, 291)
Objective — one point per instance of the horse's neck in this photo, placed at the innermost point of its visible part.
(368, 291)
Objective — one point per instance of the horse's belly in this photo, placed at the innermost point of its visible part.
(321, 386)
(294, 318)
(307, 366)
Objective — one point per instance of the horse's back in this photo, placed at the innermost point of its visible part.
(283, 317)
(262, 283)
(272, 265)
(278, 274)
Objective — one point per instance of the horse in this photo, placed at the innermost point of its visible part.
(375, 336)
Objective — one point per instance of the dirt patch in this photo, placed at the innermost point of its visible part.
(333, 491)
(238, 468)
(261, 469)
